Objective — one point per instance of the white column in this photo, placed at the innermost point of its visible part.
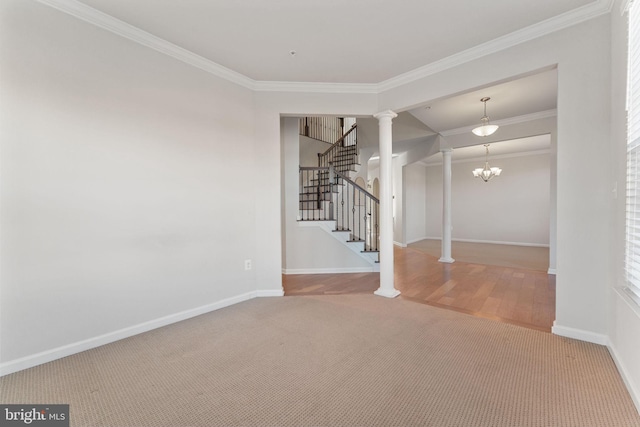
(553, 203)
(446, 206)
(386, 288)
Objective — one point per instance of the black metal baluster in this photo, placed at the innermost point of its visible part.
(353, 214)
(341, 207)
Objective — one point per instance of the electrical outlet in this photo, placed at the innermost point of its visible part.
(247, 264)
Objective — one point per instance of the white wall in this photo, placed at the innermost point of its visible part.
(397, 190)
(624, 314)
(415, 200)
(582, 54)
(512, 208)
(269, 107)
(127, 184)
(397, 164)
(309, 149)
(307, 249)
(118, 166)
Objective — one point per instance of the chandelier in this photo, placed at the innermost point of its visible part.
(485, 129)
(487, 172)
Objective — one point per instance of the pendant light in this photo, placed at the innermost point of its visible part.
(487, 172)
(485, 129)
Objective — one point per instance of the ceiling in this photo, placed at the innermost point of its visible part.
(336, 41)
(519, 97)
(367, 42)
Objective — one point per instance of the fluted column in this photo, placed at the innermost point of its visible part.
(446, 206)
(386, 288)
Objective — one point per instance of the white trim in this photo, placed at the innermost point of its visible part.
(551, 271)
(447, 260)
(493, 242)
(624, 7)
(634, 392)
(328, 224)
(579, 334)
(402, 245)
(315, 87)
(328, 270)
(506, 156)
(270, 293)
(135, 34)
(387, 294)
(624, 294)
(417, 240)
(565, 20)
(121, 28)
(634, 388)
(77, 347)
(505, 122)
(438, 162)
(341, 236)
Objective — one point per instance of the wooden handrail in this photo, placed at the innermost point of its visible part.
(335, 144)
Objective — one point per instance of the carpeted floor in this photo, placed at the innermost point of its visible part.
(334, 361)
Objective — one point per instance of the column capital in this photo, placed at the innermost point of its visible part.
(446, 150)
(385, 114)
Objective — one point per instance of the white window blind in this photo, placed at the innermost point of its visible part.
(632, 252)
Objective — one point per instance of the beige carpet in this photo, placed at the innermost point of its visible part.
(527, 257)
(334, 360)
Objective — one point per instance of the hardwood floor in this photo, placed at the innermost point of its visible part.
(527, 257)
(518, 296)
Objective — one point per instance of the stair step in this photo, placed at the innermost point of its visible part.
(325, 180)
(324, 195)
(322, 189)
(345, 166)
(345, 156)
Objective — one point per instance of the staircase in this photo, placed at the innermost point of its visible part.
(331, 200)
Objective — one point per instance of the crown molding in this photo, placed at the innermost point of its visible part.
(438, 160)
(116, 26)
(135, 34)
(316, 87)
(504, 122)
(531, 32)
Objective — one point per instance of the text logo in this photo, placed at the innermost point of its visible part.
(34, 415)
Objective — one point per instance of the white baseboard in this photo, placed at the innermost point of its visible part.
(402, 245)
(328, 270)
(492, 242)
(551, 271)
(80, 346)
(417, 240)
(579, 334)
(270, 293)
(633, 389)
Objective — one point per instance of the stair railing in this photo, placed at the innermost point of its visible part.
(342, 153)
(327, 194)
(316, 188)
(326, 129)
(358, 211)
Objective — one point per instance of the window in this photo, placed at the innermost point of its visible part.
(632, 251)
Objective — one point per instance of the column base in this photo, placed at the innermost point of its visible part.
(387, 294)
(447, 260)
